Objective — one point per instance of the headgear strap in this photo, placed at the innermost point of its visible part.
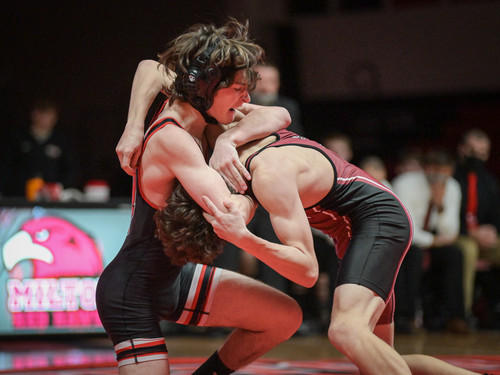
(199, 83)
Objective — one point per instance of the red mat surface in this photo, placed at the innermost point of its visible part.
(185, 366)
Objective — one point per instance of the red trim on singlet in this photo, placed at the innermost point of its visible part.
(202, 309)
(210, 280)
(145, 345)
(160, 124)
(196, 296)
(134, 189)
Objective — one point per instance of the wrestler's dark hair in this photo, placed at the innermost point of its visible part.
(209, 52)
(185, 234)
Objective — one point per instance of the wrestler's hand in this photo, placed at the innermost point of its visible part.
(225, 161)
(229, 226)
(129, 148)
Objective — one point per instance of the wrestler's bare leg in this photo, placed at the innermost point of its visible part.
(426, 365)
(263, 317)
(356, 310)
(420, 364)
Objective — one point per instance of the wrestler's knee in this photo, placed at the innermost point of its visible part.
(288, 319)
(341, 327)
(345, 333)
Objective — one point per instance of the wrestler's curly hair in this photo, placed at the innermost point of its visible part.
(185, 234)
(233, 50)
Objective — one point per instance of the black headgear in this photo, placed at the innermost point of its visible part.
(198, 84)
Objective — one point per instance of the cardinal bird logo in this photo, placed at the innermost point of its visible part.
(58, 290)
(56, 247)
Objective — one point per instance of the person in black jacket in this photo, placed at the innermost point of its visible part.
(40, 150)
(480, 209)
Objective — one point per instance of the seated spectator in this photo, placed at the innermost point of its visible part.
(409, 160)
(479, 213)
(40, 151)
(432, 197)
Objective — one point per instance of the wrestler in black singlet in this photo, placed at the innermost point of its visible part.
(140, 286)
(370, 226)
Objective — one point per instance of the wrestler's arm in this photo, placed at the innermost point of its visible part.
(149, 79)
(294, 258)
(180, 154)
(255, 122)
(251, 122)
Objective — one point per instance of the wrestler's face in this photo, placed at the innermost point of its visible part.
(228, 99)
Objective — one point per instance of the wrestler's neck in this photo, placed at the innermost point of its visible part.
(189, 118)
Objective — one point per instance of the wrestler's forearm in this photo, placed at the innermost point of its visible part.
(147, 84)
(259, 122)
(291, 262)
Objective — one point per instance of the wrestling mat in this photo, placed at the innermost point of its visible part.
(185, 366)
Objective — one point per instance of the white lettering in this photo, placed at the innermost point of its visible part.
(64, 294)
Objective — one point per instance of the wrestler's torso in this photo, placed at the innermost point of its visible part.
(141, 244)
(334, 193)
(142, 253)
(141, 285)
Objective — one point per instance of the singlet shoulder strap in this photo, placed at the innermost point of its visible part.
(250, 158)
(159, 125)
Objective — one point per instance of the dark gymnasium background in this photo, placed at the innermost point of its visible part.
(389, 73)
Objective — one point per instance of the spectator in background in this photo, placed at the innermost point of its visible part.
(267, 92)
(480, 209)
(409, 160)
(374, 165)
(433, 198)
(339, 143)
(40, 151)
